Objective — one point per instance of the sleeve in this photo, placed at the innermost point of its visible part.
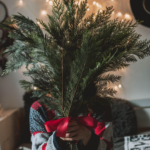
(41, 140)
(104, 129)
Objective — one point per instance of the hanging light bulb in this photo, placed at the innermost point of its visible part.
(43, 12)
(119, 14)
(119, 86)
(50, 3)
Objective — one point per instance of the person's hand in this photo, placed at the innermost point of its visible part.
(77, 131)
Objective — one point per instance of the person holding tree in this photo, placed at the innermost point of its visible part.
(99, 139)
(72, 63)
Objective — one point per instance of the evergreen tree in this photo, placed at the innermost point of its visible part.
(73, 60)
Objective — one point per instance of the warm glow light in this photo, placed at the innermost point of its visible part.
(21, 2)
(100, 6)
(113, 12)
(47, 0)
(96, 13)
(112, 0)
(87, 4)
(35, 88)
(88, 22)
(116, 87)
(101, 10)
(50, 2)
(119, 14)
(43, 12)
(88, 9)
(127, 16)
(119, 85)
(122, 19)
(38, 22)
(94, 2)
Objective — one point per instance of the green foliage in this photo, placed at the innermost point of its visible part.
(74, 59)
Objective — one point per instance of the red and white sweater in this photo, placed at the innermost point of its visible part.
(42, 140)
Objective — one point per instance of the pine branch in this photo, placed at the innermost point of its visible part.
(62, 79)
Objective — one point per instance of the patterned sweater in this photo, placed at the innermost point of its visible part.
(101, 138)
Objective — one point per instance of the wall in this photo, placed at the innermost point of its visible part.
(135, 79)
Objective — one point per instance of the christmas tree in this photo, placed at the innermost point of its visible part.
(73, 60)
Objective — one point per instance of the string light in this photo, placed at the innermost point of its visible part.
(50, 3)
(38, 22)
(35, 88)
(101, 10)
(122, 20)
(127, 16)
(119, 14)
(113, 12)
(94, 3)
(97, 4)
(100, 6)
(47, 0)
(87, 4)
(116, 87)
(88, 9)
(21, 2)
(119, 86)
(43, 12)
